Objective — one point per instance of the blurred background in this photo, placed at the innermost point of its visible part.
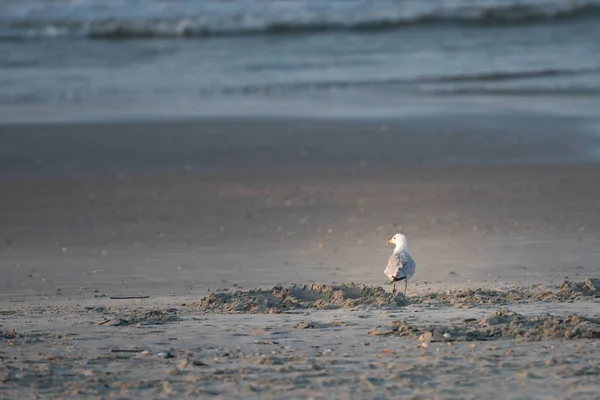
(82, 59)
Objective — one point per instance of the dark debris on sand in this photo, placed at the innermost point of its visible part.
(318, 325)
(127, 317)
(501, 324)
(299, 297)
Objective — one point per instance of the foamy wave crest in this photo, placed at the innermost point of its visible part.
(246, 22)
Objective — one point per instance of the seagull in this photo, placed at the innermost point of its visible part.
(400, 266)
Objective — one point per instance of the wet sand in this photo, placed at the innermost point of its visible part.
(191, 210)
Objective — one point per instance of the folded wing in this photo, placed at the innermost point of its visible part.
(400, 266)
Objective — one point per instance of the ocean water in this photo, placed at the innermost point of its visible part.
(74, 59)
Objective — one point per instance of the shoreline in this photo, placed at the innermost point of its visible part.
(296, 143)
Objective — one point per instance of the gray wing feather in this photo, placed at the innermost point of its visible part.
(400, 266)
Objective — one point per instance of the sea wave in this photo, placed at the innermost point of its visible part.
(520, 82)
(424, 83)
(238, 24)
(571, 90)
(509, 75)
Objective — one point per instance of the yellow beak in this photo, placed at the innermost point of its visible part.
(389, 241)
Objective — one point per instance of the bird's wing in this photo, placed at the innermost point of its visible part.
(400, 266)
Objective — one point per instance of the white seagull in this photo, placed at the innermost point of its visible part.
(401, 266)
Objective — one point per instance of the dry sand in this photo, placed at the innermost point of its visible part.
(349, 341)
(246, 237)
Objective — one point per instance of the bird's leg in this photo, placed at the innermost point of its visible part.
(394, 287)
(405, 286)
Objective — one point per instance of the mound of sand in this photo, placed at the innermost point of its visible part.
(299, 297)
(501, 324)
(569, 291)
(348, 295)
(484, 296)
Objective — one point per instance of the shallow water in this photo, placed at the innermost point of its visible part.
(142, 58)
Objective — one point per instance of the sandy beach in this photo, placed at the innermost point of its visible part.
(226, 224)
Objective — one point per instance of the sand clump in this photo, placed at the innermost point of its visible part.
(500, 324)
(300, 297)
(588, 287)
(13, 337)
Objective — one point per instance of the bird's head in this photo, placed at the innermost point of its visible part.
(399, 240)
